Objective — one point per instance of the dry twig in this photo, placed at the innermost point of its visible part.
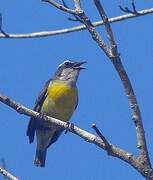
(108, 147)
(1, 29)
(127, 10)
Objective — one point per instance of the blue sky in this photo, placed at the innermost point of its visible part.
(26, 64)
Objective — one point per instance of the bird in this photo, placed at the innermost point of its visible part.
(58, 99)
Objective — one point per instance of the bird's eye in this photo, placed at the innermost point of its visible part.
(67, 63)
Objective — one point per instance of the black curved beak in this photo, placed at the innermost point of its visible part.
(78, 65)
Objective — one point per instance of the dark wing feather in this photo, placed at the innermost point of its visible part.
(38, 104)
(77, 102)
(55, 137)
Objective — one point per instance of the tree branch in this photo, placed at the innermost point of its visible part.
(75, 28)
(3, 165)
(127, 10)
(116, 60)
(76, 18)
(143, 164)
(7, 174)
(107, 27)
(1, 30)
(115, 151)
(77, 5)
(60, 6)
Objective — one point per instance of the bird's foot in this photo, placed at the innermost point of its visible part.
(70, 127)
(43, 115)
(43, 123)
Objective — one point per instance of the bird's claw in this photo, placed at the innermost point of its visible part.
(42, 115)
(70, 127)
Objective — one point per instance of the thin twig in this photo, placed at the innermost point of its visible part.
(1, 29)
(134, 7)
(107, 144)
(60, 6)
(76, 28)
(7, 174)
(127, 10)
(76, 18)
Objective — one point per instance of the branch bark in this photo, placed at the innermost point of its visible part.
(74, 129)
(116, 60)
(60, 6)
(75, 28)
(7, 174)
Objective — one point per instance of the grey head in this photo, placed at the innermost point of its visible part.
(68, 72)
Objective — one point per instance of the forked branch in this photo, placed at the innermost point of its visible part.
(143, 164)
(127, 10)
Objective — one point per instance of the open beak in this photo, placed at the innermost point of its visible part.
(78, 65)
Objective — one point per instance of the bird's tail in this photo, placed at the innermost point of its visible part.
(40, 157)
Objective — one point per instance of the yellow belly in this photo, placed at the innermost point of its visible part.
(60, 101)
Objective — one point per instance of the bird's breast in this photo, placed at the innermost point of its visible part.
(60, 101)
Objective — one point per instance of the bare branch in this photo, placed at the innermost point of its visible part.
(116, 151)
(76, 28)
(1, 29)
(95, 35)
(76, 18)
(107, 26)
(127, 10)
(107, 144)
(7, 174)
(3, 165)
(60, 6)
(136, 115)
(23, 110)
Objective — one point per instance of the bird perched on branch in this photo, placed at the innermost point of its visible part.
(58, 99)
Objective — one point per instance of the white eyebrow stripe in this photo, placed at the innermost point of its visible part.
(64, 63)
